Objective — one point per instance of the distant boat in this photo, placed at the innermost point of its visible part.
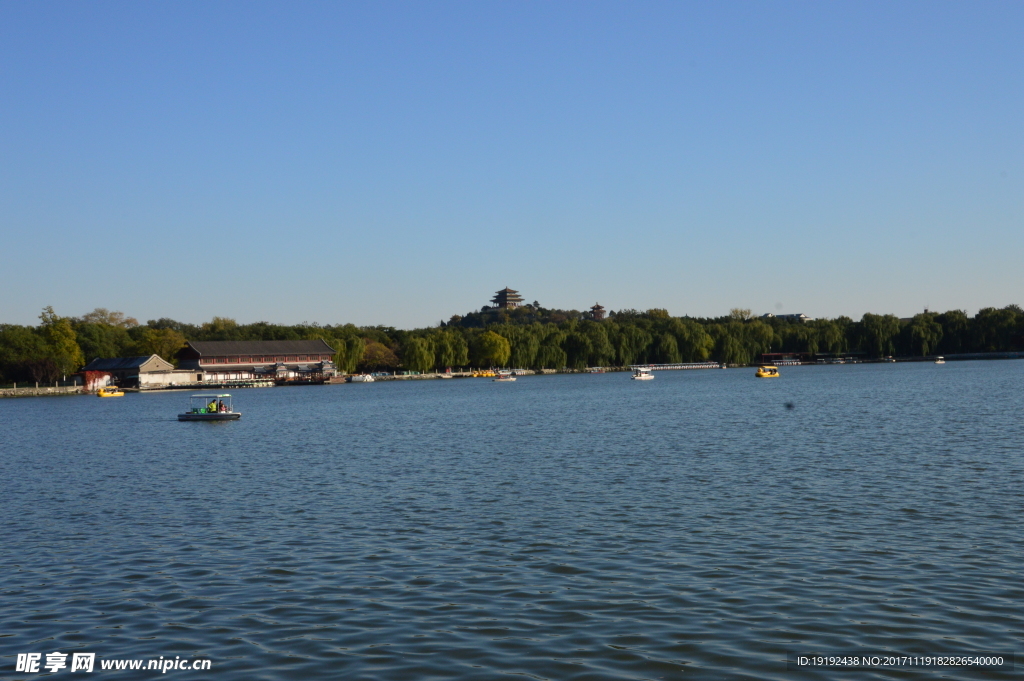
(940, 360)
(504, 377)
(767, 372)
(111, 391)
(210, 408)
(642, 374)
(362, 378)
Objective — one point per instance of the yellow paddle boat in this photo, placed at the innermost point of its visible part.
(110, 391)
(767, 372)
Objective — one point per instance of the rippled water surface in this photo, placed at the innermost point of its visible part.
(559, 527)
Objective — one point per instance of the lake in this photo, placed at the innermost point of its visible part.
(703, 525)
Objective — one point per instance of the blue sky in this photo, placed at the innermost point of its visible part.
(396, 163)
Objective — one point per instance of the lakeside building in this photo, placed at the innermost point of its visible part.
(290, 361)
(507, 299)
(143, 372)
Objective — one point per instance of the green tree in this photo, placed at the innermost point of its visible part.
(102, 315)
(378, 357)
(348, 353)
(602, 352)
(490, 349)
(694, 342)
(20, 347)
(163, 342)
(223, 328)
(729, 346)
(666, 350)
(925, 333)
(417, 354)
(955, 331)
(103, 340)
(450, 349)
(60, 338)
(994, 329)
(577, 349)
(878, 333)
(551, 356)
(633, 342)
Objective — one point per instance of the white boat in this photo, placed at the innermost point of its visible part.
(642, 374)
(210, 408)
(940, 360)
(362, 378)
(504, 377)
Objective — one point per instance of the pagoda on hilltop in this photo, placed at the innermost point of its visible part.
(598, 311)
(507, 299)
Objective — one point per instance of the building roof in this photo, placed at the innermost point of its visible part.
(280, 347)
(122, 363)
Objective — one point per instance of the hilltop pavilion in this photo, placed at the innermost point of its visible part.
(507, 299)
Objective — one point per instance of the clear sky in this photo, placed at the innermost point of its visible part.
(397, 163)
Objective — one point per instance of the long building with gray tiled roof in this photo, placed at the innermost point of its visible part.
(280, 360)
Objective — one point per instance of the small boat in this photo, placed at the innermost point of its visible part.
(210, 408)
(362, 378)
(595, 370)
(889, 359)
(504, 377)
(642, 374)
(110, 391)
(767, 372)
(940, 360)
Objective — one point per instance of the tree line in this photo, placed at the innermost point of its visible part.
(527, 337)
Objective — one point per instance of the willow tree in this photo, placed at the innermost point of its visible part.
(450, 348)
(878, 333)
(666, 349)
(550, 356)
(602, 352)
(633, 342)
(925, 333)
(729, 346)
(417, 354)
(694, 342)
(577, 349)
(955, 330)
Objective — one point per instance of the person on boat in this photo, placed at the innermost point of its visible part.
(221, 406)
(211, 407)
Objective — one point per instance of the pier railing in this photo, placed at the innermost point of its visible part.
(682, 365)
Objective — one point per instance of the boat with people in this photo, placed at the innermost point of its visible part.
(504, 377)
(767, 372)
(940, 360)
(361, 378)
(110, 391)
(210, 408)
(642, 374)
